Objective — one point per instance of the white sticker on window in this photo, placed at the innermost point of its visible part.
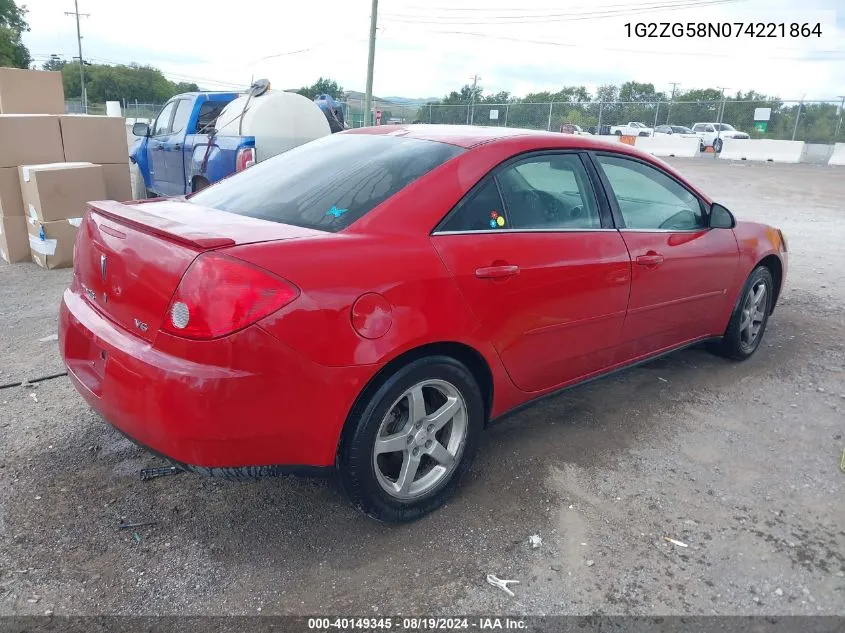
(77, 222)
(25, 174)
(32, 213)
(45, 247)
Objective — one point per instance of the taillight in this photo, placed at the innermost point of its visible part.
(245, 158)
(219, 295)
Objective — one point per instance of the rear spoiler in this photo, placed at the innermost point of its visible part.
(160, 226)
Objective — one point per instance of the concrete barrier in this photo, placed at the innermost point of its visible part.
(838, 156)
(669, 145)
(762, 150)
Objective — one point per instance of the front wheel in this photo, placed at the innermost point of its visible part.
(136, 182)
(412, 440)
(748, 322)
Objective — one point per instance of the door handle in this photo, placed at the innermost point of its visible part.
(651, 259)
(496, 272)
(177, 147)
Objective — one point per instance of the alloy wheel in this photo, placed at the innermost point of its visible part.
(420, 440)
(754, 309)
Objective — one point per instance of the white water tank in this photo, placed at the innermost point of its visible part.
(279, 121)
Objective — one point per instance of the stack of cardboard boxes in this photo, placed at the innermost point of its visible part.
(51, 165)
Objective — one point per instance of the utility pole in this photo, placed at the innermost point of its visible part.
(471, 113)
(675, 84)
(371, 58)
(839, 123)
(721, 114)
(798, 116)
(77, 14)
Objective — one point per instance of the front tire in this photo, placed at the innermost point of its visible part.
(748, 321)
(407, 446)
(136, 182)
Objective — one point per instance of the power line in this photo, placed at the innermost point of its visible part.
(557, 17)
(524, 10)
(622, 50)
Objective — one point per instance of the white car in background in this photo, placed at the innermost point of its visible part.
(674, 130)
(711, 134)
(633, 128)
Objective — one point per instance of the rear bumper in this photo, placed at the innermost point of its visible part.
(240, 402)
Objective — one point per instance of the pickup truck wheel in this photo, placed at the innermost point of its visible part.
(136, 181)
(717, 145)
(618, 133)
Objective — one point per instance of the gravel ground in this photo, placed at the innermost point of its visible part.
(737, 461)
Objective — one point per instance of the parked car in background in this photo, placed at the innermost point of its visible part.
(674, 130)
(367, 303)
(571, 128)
(711, 134)
(633, 128)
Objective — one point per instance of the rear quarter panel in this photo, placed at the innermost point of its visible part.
(221, 156)
(332, 272)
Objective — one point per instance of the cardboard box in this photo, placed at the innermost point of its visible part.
(31, 92)
(60, 190)
(51, 243)
(14, 239)
(30, 140)
(117, 182)
(10, 192)
(95, 139)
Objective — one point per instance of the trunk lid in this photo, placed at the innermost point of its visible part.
(130, 257)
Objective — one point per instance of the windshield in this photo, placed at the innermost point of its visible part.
(329, 183)
(723, 127)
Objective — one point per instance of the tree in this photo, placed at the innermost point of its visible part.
(322, 87)
(12, 23)
(55, 63)
(114, 83)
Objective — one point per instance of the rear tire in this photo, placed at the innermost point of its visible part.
(406, 447)
(618, 133)
(750, 316)
(717, 145)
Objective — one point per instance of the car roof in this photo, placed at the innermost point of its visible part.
(469, 136)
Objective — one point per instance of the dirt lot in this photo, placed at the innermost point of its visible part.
(738, 461)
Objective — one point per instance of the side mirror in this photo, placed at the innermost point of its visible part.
(141, 129)
(720, 217)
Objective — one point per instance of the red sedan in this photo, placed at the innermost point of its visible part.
(368, 303)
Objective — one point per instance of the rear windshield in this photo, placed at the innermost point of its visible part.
(329, 183)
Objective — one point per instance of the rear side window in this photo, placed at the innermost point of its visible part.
(329, 183)
(183, 113)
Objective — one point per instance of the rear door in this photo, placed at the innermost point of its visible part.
(681, 268)
(533, 250)
(156, 148)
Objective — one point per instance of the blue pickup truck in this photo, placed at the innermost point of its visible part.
(173, 154)
(197, 140)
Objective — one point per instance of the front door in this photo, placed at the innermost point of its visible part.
(157, 150)
(681, 269)
(541, 267)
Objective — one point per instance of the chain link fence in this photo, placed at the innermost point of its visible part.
(810, 121)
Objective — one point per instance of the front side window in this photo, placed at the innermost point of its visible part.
(649, 199)
(543, 192)
(162, 125)
(329, 183)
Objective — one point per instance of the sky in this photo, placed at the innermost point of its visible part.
(427, 51)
